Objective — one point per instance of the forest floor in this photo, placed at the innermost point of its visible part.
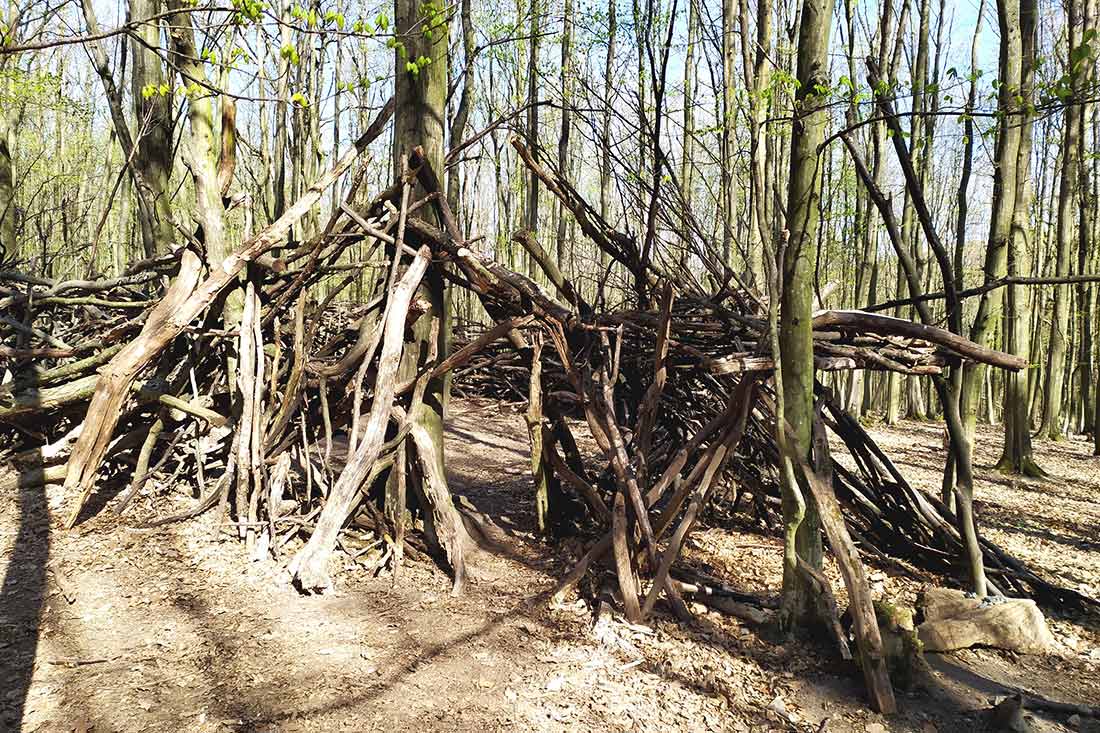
(111, 628)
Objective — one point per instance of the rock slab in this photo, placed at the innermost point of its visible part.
(956, 620)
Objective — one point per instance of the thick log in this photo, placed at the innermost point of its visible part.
(32, 402)
(888, 326)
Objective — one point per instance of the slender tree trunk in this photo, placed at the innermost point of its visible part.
(990, 306)
(1051, 425)
(893, 379)
(1017, 454)
(605, 125)
(532, 211)
(729, 195)
(9, 121)
(862, 210)
(153, 113)
(205, 146)
(1086, 214)
(638, 14)
(797, 298)
(465, 102)
(688, 140)
(563, 139)
(282, 93)
(8, 244)
(266, 195)
(962, 207)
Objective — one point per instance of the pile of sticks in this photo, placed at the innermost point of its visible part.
(298, 428)
(233, 378)
(890, 519)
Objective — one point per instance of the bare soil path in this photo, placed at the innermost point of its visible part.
(110, 628)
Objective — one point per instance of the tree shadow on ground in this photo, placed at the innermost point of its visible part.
(980, 688)
(22, 597)
(255, 711)
(1011, 521)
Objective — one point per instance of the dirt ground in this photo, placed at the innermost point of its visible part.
(112, 628)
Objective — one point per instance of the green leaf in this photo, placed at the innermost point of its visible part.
(332, 16)
(289, 52)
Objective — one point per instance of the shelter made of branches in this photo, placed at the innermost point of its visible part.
(107, 383)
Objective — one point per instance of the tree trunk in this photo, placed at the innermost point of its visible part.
(563, 138)
(1087, 212)
(989, 311)
(688, 139)
(531, 222)
(962, 209)
(639, 17)
(797, 298)
(605, 132)
(420, 99)
(465, 102)
(1051, 425)
(282, 93)
(1017, 455)
(205, 145)
(153, 113)
(8, 245)
(728, 193)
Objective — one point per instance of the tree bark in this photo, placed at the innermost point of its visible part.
(987, 319)
(1072, 129)
(605, 132)
(153, 113)
(1017, 455)
(688, 139)
(465, 102)
(566, 124)
(419, 126)
(531, 222)
(797, 300)
(728, 214)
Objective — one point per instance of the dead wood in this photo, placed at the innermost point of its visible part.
(678, 399)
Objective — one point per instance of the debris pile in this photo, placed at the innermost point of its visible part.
(297, 430)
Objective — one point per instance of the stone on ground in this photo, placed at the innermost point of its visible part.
(956, 620)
